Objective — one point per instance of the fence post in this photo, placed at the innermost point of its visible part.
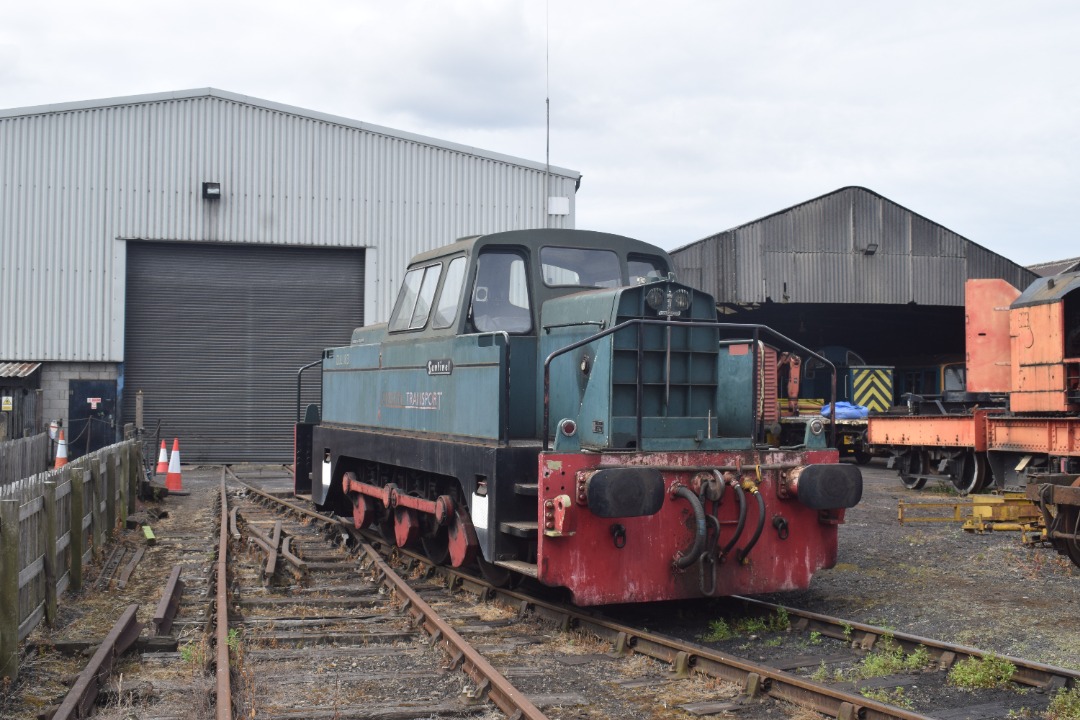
(125, 482)
(97, 522)
(9, 589)
(50, 552)
(110, 491)
(78, 535)
(136, 473)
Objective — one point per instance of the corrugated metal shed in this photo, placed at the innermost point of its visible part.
(849, 246)
(78, 179)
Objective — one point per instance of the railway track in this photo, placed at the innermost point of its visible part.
(842, 669)
(323, 622)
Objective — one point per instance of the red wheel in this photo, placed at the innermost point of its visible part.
(406, 526)
(463, 543)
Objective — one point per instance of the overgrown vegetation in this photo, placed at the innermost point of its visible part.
(1065, 705)
(720, 630)
(896, 698)
(887, 658)
(985, 672)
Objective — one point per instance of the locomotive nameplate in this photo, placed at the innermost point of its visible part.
(443, 366)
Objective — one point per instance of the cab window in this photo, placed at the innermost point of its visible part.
(645, 268)
(414, 299)
(449, 299)
(500, 295)
(580, 267)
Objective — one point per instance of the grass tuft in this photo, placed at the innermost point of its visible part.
(1065, 705)
(985, 672)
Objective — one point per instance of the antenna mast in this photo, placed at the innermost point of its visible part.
(547, 110)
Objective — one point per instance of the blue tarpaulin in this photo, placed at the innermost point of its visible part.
(846, 411)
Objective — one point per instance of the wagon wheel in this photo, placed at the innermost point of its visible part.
(1068, 520)
(913, 462)
(968, 472)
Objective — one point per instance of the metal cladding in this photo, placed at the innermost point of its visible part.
(849, 246)
(78, 178)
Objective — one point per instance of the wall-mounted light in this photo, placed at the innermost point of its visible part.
(871, 248)
(211, 190)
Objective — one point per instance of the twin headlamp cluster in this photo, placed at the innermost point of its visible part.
(669, 302)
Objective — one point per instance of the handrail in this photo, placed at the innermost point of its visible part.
(299, 384)
(642, 322)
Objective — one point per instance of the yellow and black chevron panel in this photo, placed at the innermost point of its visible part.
(872, 387)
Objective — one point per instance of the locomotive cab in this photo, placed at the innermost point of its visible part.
(542, 400)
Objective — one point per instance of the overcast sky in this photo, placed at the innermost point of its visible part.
(685, 117)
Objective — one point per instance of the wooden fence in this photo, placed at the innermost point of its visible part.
(51, 524)
(25, 457)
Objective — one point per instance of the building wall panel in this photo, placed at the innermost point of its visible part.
(79, 178)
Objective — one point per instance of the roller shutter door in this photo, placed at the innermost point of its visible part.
(215, 335)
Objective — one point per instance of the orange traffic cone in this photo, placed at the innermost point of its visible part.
(61, 452)
(162, 461)
(173, 481)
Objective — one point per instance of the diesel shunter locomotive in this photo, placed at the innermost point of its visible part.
(553, 404)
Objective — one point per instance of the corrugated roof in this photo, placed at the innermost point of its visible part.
(282, 108)
(1055, 267)
(18, 369)
(848, 246)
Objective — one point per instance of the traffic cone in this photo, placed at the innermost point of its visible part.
(61, 452)
(162, 461)
(173, 481)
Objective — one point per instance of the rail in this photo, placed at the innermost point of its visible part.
(640, 323)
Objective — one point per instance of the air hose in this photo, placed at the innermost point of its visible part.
(743, 552)
(685, 561)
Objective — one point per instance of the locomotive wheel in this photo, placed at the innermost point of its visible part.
(386, 529)
(912, 463)
(862, 457)
(436, 546)
(497, 576)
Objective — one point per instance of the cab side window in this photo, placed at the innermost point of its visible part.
(450, 298)
(414, 299)
(500, 295)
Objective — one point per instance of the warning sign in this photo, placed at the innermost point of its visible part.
(7, 403)
(94, 402)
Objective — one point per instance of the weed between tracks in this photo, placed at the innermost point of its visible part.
(987, 672)
(720, 630)
(1065, 705)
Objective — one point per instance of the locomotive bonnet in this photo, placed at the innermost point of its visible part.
(555, 404)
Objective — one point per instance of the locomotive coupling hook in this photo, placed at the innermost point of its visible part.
(684, 561)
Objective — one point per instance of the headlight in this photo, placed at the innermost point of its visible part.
(655, 298)
(681, 299)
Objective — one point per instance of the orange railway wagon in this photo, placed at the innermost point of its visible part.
(944, 437)
(1023, 431)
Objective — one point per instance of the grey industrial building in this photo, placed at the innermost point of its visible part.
(850, 269)
(201, 246)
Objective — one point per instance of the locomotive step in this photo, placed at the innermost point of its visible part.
(518, 566)
(520, 528)
(531, 489)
